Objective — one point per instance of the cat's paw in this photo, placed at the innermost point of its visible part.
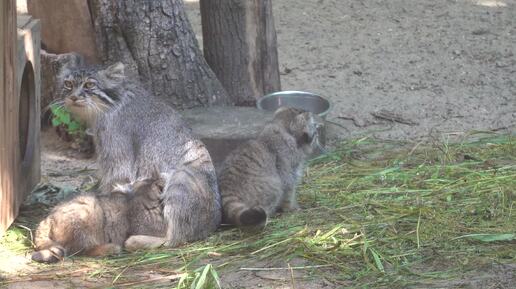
(137, 242)
(49, 255)
(103, 250)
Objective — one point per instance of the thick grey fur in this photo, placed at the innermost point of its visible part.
(259, 178)
(137, 133)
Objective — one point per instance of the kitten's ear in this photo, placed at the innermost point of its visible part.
(302, 128)
(113, 75)
(286, 114)
(281, 109)
(164, 179)
(122, 188)
(155, 174)
(116, 70)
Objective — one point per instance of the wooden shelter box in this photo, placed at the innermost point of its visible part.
(19, 110)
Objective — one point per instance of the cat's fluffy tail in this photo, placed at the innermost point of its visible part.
(254, 217)
(242, 216)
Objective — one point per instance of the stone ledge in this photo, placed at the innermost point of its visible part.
(222, 129)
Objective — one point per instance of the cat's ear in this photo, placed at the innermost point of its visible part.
(302, 128)
(116, 70)
(286, 114)
(67, 61)
(65, 64)
(64, 74)
(113, 75)
(164, 180)
(122, 188)
(281, 109)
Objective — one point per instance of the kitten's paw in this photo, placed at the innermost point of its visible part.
(50, 255)
(137, 242)
(103, 250)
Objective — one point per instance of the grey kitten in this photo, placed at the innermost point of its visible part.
(94, 225)
(259, 178)
(136, 132)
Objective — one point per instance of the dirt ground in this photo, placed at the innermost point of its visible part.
(441, 65)
(447, 65)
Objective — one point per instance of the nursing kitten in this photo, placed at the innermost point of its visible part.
(136, 132)
(259, 177)
(99, 225)
(147, 225)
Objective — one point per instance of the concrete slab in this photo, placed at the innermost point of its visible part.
(222, 129)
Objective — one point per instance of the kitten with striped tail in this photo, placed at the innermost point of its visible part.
(259, 178)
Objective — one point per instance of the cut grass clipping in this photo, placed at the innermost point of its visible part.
(375, 214)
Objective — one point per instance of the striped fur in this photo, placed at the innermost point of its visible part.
(136, 133)
(259, 178)
(93, 225)
(87, 91)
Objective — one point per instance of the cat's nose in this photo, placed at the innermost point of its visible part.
(73, 98)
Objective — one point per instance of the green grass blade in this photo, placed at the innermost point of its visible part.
(489, 237)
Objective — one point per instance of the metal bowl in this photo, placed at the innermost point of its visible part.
(298, 99)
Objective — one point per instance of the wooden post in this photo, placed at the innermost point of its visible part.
(8, 136)
(239, 43)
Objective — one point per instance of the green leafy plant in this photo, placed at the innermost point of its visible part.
(62, 117)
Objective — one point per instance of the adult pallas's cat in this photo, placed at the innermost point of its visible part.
(136, 132)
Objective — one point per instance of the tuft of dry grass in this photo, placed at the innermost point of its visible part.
(375, 214)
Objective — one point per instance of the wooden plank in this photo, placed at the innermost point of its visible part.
(8, 136)
(27, 107)
(22, 20)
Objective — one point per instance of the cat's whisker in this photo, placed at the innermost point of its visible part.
(59, 103)
(101, 106)
(97, 107)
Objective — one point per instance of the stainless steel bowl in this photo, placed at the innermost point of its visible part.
(298, 99)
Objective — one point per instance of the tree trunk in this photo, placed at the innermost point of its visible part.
(155, 40)
(240, 46)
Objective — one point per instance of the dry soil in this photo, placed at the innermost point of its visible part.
(445, 65)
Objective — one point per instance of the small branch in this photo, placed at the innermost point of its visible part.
(392, 116)
(285, 268)
(356, 121)
(161, 278)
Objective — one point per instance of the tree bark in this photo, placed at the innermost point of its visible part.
(155, 40)
(240, 46)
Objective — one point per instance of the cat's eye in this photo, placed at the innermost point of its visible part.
(68, 84)
(89, 85)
